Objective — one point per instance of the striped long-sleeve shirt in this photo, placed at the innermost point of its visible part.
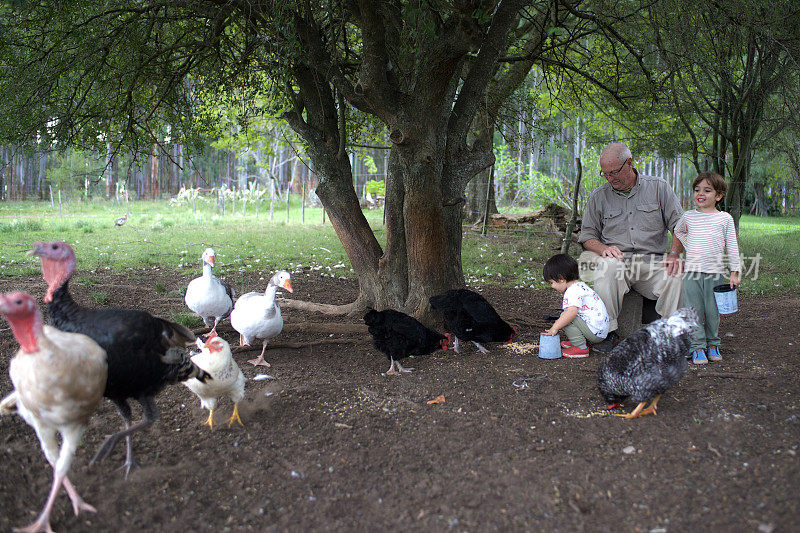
(705, 237)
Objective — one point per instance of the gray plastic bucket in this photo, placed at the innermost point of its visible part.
(725, 297)
(549, 346)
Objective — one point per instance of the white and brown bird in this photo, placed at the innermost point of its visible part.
(216, 359)
(207, 296)
(58, 380)
(145, 353)
(257, 316)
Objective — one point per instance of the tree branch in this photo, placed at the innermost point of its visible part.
(480, 73)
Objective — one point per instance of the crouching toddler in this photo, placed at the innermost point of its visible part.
(584, 319)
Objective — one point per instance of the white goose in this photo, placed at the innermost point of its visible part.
(258, 316)
(208, 296)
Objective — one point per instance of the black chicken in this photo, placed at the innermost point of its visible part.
(398, 336)
(145, 353)
(648, 363)
(470, 317)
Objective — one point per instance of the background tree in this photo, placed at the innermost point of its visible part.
(422, 70)
(135, 72)
(733, 66)
(147, 77)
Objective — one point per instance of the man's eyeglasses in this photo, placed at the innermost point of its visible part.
(613, 173)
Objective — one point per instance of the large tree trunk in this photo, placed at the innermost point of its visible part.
(420, 258)
(341, 204)
(430, 162)
(434, 256)
(417, 262)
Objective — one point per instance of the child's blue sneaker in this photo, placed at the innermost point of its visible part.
(713, 354)
(699, 357)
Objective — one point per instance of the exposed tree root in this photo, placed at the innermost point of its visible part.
(290, 345)
(342, 328)
(326, 309)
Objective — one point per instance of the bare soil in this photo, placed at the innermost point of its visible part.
(333, 444)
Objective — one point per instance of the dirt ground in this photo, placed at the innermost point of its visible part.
(333, 444)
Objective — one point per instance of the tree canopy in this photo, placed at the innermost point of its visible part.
(428, 78)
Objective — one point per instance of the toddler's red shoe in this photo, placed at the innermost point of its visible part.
(571, 351)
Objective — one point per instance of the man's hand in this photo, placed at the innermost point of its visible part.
(674, 264)
(613, 251)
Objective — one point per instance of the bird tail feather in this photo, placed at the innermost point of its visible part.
(176, 335)
(181, 366)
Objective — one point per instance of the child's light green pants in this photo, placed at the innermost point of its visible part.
(698, 292)
(578, 333)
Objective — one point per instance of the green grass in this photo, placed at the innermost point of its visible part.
(188, 319)
(157, 235)
(771, 248)
(514, 260)
(86, 281)
(100, 298)
(20, 226)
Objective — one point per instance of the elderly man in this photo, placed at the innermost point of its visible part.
(624, 236)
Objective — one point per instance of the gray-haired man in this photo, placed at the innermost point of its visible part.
(624, 236)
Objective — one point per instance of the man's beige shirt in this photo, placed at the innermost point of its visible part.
(636, 222)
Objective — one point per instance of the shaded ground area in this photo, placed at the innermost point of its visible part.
(332, 444)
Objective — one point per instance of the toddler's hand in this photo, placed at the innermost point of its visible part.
(735, 280)
(550, 332)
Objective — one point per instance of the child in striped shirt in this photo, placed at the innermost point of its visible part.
(705, 233)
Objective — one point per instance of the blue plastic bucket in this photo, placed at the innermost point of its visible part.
(725, 297)
(549, 346)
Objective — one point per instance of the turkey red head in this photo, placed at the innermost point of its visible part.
(58, 263)
(513, 335)
(447, 341)
(20, 309)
